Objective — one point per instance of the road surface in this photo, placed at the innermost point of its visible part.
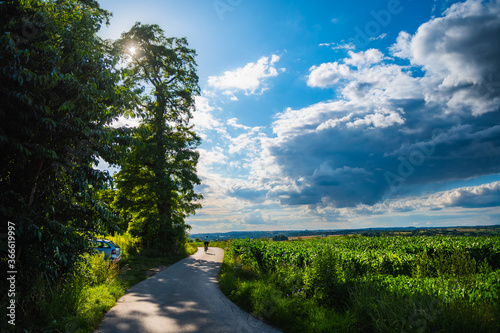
(185, 297)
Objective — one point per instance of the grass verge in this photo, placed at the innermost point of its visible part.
(78, 302)
(261, 296)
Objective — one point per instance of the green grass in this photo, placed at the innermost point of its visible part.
(79, 301)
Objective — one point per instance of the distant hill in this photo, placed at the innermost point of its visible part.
(457, 230)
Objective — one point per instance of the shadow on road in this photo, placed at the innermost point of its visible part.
(185, 297)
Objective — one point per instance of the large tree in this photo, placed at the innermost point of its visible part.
(59, 91)
(156, 182)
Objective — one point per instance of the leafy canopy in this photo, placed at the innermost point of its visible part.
(59, 90)
(156, 182)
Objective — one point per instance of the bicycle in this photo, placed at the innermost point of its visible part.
(206, 247)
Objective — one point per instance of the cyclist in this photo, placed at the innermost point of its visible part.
(205, 242)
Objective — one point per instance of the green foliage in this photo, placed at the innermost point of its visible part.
(60, 91)
(155, 186)
(386, 284)
(94, 303)
(128, 244)
(190, 248)
(78, 300)
(279, 238)
(94, 270)
(61, 88)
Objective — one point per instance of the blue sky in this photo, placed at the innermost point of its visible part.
(340, 114)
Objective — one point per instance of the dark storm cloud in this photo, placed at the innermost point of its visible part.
(393, 130)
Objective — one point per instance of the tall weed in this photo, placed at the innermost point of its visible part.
(129, 245)
(92, 275)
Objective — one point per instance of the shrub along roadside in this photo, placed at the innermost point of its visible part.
(78, 301)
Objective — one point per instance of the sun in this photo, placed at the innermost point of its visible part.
(132, 50)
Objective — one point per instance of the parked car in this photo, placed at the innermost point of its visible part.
(110, 249)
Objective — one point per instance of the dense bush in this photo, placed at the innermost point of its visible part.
(79, 299)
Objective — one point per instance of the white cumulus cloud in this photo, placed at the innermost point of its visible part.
(249, 78)
(459, 53)
(364, 58)
(327, 74)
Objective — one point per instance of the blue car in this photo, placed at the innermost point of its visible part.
(111, 250)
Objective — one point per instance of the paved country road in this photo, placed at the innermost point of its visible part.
(185, 297)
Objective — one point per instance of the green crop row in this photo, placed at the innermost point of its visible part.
(427, 256)
(365, 278)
